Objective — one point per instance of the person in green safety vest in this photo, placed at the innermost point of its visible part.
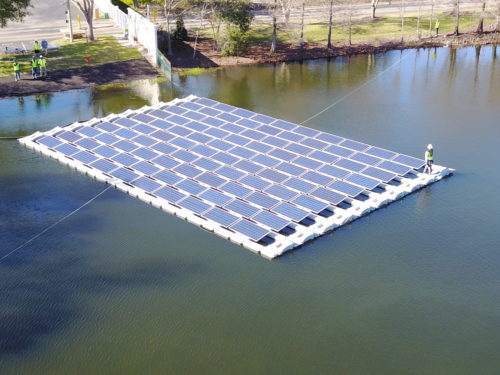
(429, 159)
(436, 26)
(17, 70)
(34, 65)
(42, 63)
(36, 47)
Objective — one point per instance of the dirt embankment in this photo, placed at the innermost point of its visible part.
(78, 78)
(206, 57)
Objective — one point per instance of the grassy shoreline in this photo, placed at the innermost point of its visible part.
(103, 51)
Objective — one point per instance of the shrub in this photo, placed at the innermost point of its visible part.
(180, 32)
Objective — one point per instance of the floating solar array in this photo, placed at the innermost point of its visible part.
(263, 183)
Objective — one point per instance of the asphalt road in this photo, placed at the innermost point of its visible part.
(46, 19)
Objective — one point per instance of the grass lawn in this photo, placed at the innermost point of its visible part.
(72, 55)
(363, 30)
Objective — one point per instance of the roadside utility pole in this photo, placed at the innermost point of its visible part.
(68, 12)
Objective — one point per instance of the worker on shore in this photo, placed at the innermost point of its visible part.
(17, 70)
(34, 65)
(42, 63)
(36, 47)
(429, 159)
(436, 26)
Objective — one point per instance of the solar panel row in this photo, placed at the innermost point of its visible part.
(249, 172)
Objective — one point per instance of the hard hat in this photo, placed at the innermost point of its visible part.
(41, 55)
(429, 146)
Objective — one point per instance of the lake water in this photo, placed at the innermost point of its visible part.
(123, 288)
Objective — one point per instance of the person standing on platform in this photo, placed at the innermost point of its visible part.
(36, 47)
(42, 63)
(429, 159)
(436, 26)
(17, 69)
(34, 65)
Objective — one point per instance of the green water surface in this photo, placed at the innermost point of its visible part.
(124, 288)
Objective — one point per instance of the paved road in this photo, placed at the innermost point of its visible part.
(44, 23)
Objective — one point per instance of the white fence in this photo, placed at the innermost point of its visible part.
(140, 29)
(144, 31)
(113, 11)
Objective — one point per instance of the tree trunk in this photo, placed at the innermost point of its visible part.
(330, 25)
(90, 21)
(430, 19)
(374, 8)
(419, 33)
(480, 26)
(497, 26)
(302, 25)
(274, 38)
(457, 14)
(350, 22)
(402, 20)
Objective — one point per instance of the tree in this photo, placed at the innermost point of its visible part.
(480, 26)
(238, 18)
(402, 20)
(457, 15)
(330, 25)
(274, 37)
(87, 8)
(286, 7)
(374, 7)
(13, 10)
(302, 25)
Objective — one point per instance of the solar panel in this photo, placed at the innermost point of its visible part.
(235, 189)
(147, 184)
(394, 167)
(241, 208)
(84, 157)
(290, 211)
(167, 177)
(328, 195)
(194, 204)
(67, 149)
(281, 192)
(366, 159)
(366, 182)
(330, 170)
(69, 136)
(86, 143)
(358, 146)
(381, 153)
(310, 203)
(220, 216)
(410, 161)
(262, 200)
(124, 174)
(188, 170)
(346, 188)
(207, 164)
(273, 175)
(104, 165)
(271, 220)
(190, 186)
(379, 174)
(165, 162)
(247, 172)
(211, 179)
(252, 231)
(216, 197)
(230, 173)
(255, 182)
(145, 167)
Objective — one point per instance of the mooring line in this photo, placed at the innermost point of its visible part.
(54, 224)
(356, 89)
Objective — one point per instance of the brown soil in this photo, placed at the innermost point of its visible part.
(78, 78)
(206, 57)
